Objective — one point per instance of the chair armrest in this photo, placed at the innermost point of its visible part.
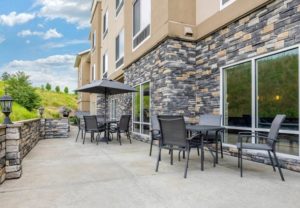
(247, 135)
(155, 131)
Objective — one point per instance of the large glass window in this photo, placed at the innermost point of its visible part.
(225, 3)
(141, 109)
(105, 64)
(278, 89)
(113, 109)
(94, 39)
(141, 21)
(257, 91)
(119, 5)
(237, 95)
(120, 49)
(105, 24)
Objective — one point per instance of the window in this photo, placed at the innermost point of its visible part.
(141, 109)
(120, 49)
(256, 90)
(105, 65)
(94, 72)
(113, 109)
(119, 5)
(105, 24)
(94, 39)
(225, 3)
(141, 21)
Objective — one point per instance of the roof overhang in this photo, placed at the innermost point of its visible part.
(79, 56)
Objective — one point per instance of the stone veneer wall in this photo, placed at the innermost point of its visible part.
(2, 153)
(17, 140)
(185, 76)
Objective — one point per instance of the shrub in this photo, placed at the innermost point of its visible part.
(21, 90)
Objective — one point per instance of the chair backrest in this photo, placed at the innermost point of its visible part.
(155, 123)
(173, 131)
(90, 123)
(124, 122)
(210, 120)
(274, 130)
(100, 118)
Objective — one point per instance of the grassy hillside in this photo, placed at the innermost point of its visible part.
(52, 102)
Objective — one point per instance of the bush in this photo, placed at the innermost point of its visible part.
(21, 90)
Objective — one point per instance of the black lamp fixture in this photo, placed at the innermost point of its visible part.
(41, 111)
(6, 107)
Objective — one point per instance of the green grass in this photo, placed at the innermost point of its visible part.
(52, 102)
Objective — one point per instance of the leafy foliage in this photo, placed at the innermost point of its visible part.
(57, 89)
(48, 86)
(66, 90)
(21, 90)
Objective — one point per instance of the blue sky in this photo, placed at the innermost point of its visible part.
(42, 38)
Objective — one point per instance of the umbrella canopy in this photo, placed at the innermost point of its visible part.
(105, 86)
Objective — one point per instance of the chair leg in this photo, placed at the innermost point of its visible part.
(221, 146)
(241, 162)
(187, 163)
(119, 135)
(183, 154)
(171, 157)
(84, 137)
(179, 155)
(128, 136)
(77, 135)
(151, 143)
(98, 138)
(272, 163)
(278, 166)
(158, 159)
(238, 156)
(198, 151)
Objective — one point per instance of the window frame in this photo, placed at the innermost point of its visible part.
(105, 23)
(253, 128)
(94, 39)
(105, 64)
(113, 109)
(93, 74)
(223, 6)
(117, 59)
(119, 7)
(134, 36)
(141, 107)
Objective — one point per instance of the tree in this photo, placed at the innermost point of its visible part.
(21, 90)
(42, 87)
(5, 76)
(66, 90)
(57, 89)
(48, 86)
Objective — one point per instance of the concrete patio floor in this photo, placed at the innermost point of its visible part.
(61, 173)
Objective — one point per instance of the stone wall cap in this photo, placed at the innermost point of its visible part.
(2, 126)
(28, 121)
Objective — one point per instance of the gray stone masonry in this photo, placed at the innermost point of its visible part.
(185, 76)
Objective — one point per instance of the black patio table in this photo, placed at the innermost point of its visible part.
(107, 126)
(201, 129)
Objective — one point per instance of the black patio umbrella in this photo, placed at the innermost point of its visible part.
(106, 87)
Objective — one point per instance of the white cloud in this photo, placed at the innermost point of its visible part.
(2, 38)
(13, 18)
(65, 43)
(51, 33)
(73, 11)
(27, 41)
(57, 70)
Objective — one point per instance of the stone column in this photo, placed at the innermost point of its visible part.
(13, 151)
(2, 153)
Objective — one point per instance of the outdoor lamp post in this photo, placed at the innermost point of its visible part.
(6, 106)
(41, 111)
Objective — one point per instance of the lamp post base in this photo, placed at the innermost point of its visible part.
(7, 120)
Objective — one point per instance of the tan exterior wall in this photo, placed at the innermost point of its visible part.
(96, 25)
(168, 18)
(83, 79)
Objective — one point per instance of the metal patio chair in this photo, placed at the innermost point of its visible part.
(91, 126)
(173, 137)
(269, 145)
(155, 131)
(210, 136)
(80, 123)
(122, 127)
